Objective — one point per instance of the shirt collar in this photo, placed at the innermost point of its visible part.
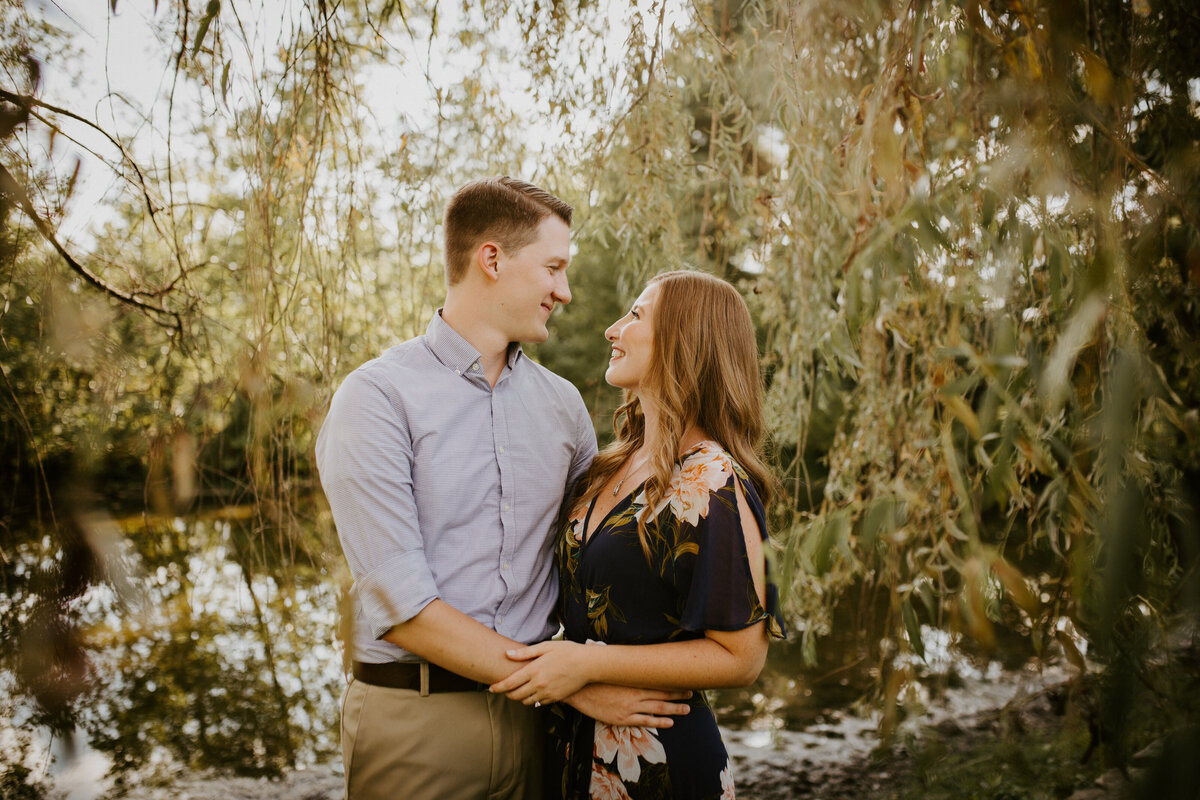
(449, 347)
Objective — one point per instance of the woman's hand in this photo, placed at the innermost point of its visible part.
(623, 705)
(556, 670)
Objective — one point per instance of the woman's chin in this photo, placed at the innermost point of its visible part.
(614, 378)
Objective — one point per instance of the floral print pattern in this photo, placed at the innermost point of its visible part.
(628, 746)
(606, 786)
(698, 578)
(727, 792)
(705, 471)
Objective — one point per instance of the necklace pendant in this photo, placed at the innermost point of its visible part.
(628, 473)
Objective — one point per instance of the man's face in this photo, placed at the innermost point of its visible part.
(533, 280)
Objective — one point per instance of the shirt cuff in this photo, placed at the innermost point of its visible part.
(395, 592)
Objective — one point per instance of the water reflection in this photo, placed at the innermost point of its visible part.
(792, 695)
(226, 656)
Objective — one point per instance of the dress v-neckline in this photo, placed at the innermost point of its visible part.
(587, 518)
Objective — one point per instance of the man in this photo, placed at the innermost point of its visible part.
(445, 461)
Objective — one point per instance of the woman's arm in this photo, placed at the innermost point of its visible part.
(721, 659)
(559, 669)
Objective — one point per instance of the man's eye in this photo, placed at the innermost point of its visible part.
(635, 315)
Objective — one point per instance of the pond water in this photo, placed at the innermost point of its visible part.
(223, 652)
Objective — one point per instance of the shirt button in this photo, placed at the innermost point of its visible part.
(499, 620)
(506, 506)
(507, 565)
(475, 366)
(458, 372)
(501, 449)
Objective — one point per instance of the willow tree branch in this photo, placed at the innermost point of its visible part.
(11, 187)
(29, 103)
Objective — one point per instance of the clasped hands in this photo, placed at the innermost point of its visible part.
(562, 670)
(556, 670)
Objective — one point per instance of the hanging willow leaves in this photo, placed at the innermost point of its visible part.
(1014, 582)
(912, 626)
(968, 234)
(210, 13)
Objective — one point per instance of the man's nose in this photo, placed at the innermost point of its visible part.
(562, 292)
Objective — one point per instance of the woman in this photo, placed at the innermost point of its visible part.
(663, 549)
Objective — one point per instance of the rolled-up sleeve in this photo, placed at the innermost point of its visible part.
(365, 461)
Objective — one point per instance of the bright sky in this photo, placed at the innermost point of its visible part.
(123, 73)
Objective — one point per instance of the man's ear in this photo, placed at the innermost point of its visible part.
(487, 259)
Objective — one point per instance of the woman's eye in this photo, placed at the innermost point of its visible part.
(635, 315)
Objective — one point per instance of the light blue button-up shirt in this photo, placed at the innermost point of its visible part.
(444, 487)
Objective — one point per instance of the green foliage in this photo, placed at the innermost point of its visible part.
(975, 226)
(1049, 746)
(954, 243)
(968, 232)
(1025, 765)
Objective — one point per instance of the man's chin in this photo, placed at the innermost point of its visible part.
(536, 336)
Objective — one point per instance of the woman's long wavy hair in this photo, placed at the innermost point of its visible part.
(703, 370)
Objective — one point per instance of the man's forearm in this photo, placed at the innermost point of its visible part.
(443, 635)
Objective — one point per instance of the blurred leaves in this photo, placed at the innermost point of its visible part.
(967, 232)
(210, 13)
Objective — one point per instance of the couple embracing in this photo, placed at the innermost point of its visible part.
(478, 520)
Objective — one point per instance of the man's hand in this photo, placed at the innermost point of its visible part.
(622, 705)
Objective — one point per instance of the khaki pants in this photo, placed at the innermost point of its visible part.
(444, 746)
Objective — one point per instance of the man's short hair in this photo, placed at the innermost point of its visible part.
(504, 210)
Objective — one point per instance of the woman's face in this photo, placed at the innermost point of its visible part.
(632, 338)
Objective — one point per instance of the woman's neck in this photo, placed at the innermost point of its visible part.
(650, 417)
(692, 434)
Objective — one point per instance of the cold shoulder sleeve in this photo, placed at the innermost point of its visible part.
(706, 557)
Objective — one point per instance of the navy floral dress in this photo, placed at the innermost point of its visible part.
(699, 580)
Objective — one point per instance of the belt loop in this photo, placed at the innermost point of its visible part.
(424, 679)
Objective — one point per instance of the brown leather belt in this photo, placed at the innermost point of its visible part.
(407, 675)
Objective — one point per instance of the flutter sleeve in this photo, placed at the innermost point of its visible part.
(708, 562)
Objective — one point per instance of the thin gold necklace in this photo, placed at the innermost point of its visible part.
(616, 489)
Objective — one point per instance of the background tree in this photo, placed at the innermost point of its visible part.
(967, 231)
(978, 307)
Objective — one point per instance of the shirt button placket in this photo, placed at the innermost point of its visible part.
(507, 526)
